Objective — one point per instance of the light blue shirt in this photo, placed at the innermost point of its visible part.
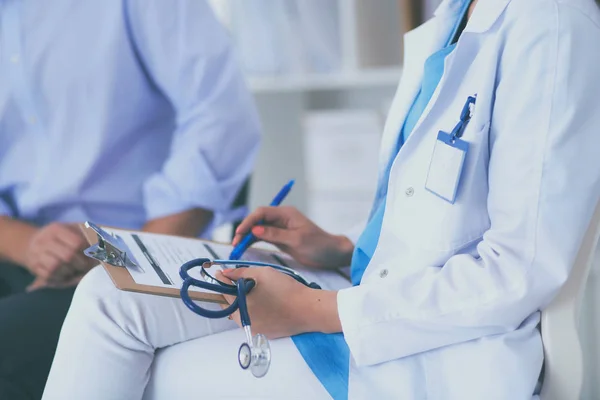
(120, 111)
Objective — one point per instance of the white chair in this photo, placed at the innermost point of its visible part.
(563, 366)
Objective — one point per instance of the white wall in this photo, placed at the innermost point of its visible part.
(281, 157)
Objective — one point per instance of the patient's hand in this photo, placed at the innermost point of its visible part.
(289, 230)
(55, 256)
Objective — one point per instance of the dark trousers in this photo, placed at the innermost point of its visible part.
(29, 328)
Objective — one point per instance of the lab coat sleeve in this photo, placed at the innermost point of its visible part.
(544, 183)
(189, 56)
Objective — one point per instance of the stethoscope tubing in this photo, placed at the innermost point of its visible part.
(242, 286)
(240, 290)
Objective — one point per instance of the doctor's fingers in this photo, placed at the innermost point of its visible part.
(287, 238)
(280, 217)
(222, 278)
(236, 315)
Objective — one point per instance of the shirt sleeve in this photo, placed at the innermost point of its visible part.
(544, 183)
(5, 210)
(188, 55)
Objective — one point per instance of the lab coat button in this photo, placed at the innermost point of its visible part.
(409, 192)
(15, 58)
(383, 273)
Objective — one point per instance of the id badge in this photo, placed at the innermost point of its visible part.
(446, 166)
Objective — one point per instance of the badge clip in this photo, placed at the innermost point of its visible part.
(448, 158)
(465, 117)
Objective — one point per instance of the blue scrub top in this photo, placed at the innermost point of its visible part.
(328, 355)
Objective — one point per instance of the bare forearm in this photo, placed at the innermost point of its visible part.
(321, 312)
(188, 223)
(14, 239)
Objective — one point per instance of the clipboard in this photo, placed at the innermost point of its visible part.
(113, 252)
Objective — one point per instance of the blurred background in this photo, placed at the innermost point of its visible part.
(323, 73)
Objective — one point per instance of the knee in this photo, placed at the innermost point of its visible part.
(95, 283)
(93, 292)
(98, 302)
(100, 308)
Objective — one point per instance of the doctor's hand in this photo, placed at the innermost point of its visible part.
(55, 256)
(279, 306)
(293, 233)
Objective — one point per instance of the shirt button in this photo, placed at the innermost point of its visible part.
(383, 273)
(15, 58)
(32, 120)
(410, 191)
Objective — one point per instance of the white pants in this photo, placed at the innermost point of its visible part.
(115, 345)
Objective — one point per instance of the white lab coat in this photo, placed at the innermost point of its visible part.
(448, 306)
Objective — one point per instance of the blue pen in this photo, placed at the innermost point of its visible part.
(247, 240)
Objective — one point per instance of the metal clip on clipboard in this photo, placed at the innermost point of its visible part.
(109, 248)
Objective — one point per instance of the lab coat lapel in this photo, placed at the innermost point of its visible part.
(485, 16)
(419, 44)
(487, 12)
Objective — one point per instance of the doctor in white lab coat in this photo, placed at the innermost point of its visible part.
(448, 305)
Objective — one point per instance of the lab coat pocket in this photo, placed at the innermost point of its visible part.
(429, 222)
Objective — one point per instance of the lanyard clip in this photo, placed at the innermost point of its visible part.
(467, 111)
(465, 116)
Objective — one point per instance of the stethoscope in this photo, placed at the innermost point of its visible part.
(255, 352)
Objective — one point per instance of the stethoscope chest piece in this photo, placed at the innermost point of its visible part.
(257, 357)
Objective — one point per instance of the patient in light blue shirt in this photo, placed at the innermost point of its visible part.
(128, 113)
